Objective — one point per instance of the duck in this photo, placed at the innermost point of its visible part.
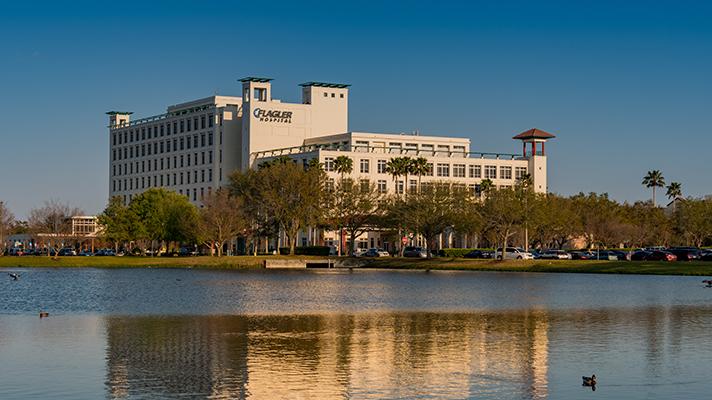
(708, 282)
(44, 314)
(14, 276)
(589, 381)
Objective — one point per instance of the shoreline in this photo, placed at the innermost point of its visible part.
(695, 268)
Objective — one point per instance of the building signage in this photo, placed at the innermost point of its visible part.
(273, 115)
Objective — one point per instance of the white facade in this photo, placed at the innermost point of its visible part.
(194, 146)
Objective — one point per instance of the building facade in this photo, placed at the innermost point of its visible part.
(194, 146)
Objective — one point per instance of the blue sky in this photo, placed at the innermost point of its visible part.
(624, 85)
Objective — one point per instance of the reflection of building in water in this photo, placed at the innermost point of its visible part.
(329, 356)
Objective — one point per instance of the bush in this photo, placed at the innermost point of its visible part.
(457, 252)
(306, 251)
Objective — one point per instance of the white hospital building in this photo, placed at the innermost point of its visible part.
(194, 146)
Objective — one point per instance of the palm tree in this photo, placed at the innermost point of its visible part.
(420, 167)
(486, 185)
(654, 179)
(343, 165)
(674, 190)
(394, 167)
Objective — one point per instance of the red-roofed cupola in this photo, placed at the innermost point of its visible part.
(534, 136)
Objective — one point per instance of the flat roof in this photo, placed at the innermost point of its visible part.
(325, 84)
(255, 79)
(119, 112)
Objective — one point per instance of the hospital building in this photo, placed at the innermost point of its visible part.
(194, 146)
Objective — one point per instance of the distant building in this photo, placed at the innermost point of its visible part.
(194, 146)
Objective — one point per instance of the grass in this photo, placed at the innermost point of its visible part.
(697, 268)
(239, 262)
(700, 268)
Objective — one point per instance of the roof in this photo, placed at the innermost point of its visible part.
(534, 133)
(255, 79)
(119, 112)
(325, 84)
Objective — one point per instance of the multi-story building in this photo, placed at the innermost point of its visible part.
(194, 146)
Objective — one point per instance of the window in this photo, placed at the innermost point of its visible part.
(210, 175)
(365, 166)
(365, 184)
(162, 130)
(382, 186)
(202, 140)
(443, 169)
(210, 120)
(328, 164)
(519, 172)
(413, 185)
(475, 171)
(505, 172)
(394, 148)
(411, 148)
(361, 146)
(210, 138)
(382, 166)
(458, 170)
(182, 126)
(399, 187)
(429, 170)
(490, 172)
(189, 125)
(210, 157)
(202, 122)
(195, 141)
(443, 150)
(427, 149)
(202, 157)
(187, 142)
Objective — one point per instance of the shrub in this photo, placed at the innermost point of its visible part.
(306, 251)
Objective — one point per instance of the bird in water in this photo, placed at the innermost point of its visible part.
(708, 282)
(589, 380)
(14, 276)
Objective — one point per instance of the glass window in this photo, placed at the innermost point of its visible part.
(382, 166)
(475, 171)
(519, 172)
(443, 169)
(382, 186)
(365, 166)
(328, 164)
(490, 172)
(458, 170)
(505, 172)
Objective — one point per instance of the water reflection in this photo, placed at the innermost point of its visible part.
(407, 355)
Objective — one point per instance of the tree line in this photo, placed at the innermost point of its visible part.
(282, 198)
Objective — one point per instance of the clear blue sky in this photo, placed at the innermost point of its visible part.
(626, 86)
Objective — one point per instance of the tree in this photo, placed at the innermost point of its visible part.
(119, 222)
(420, 166)
(674, 190)
(357, 207)
(53, 221)
(221, 219)
(6, 222)
(400, 166)
(343, 165)
(165, 216)
(505, 214)
(553, 221)
(654, 179)
(693, 220)
(486, 186)
(284, 194)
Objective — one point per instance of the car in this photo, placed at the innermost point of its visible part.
(639, 255)
(706, 255)
(554, 255)
(67, 251)
(685, 253)
(582, 255)
(359, 252)
(612, 255)
(513, 253)
(660, 255)
(376, 253)
(479, 254)
(187, 252)
(86, 253)
(415, 252)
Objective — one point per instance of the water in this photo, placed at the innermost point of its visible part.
(157, 333)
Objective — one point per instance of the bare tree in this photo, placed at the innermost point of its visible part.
(6, 223)
(221, 219)
(53, 221)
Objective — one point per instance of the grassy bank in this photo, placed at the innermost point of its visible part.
(240, 262)
(700, 268)
(246, 262)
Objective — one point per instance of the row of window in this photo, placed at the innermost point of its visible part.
(144, 182)
(209, 190)
(164, 146)
(160, 164)
(382, 185)
(442, 170)
(164, 129)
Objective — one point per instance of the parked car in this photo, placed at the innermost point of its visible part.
(67, 251)
(187, 252)
(415, 252)
(612, 255)
(16, 251)
(513, 253)
(653, 255)
(359, 252)
(685, 253)
(660, 255)
(86, 253)
(706, 255)
(105, 253)
(582, 255)
(479, 254)
(376, 253)
(554, 255)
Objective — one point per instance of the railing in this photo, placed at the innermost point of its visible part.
(380, 150)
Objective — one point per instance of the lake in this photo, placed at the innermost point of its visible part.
(361, 334)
